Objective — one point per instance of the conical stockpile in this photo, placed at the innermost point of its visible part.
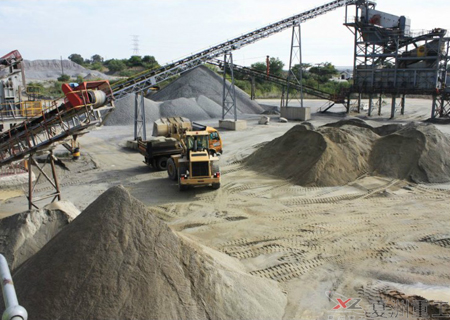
(117, 261)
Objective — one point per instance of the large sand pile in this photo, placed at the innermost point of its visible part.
(203, 82)
(339, 153)
(419, 153)
(325, 157)
(24, 234)
(118, 261)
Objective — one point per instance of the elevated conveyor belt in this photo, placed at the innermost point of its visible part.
(41, 132)
(153, 77)
(282, 82)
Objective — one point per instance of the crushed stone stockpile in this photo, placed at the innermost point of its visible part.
(123, 113)
(203, 82)
(196, 95)
(339, 153)
(51, 70)
(118, 261)
(24, 234)
(323, 157)
(200, 108)
(419, 153)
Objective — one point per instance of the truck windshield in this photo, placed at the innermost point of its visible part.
(197, 143)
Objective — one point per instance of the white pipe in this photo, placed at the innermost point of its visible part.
(13, 311)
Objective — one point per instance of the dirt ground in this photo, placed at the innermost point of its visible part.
(375, 239)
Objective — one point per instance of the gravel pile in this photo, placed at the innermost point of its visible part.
(118, 261)
(203, 82)
(123, 114)
(418, 153)
(339, 153)
(51, 70)
(196, 95)
(24, 234)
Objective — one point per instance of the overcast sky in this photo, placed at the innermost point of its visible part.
(172, 29)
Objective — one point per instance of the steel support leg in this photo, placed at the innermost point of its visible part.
(348, 103)
(433, 107)
(369, 113)
(403, 104)
(139, 117)
(55, 178)
(30, 183)
(253, 89)
(229, 90)
(380, 104)
(393, 106)
(359, 102)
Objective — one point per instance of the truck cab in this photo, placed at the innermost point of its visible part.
(197, 165)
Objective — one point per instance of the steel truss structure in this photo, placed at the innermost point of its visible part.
(252, 73)
(153, 77)
(396, 62)
(56, 124)
(140, 127)
(294, 58)
(53, 180)
(229, 90)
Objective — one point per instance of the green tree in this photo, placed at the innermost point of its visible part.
(135, 61)
(324, 69)
(276, 66)
(305, 66)
(97, 58)
(77, 58)
(149, 59)
(115, 65)
(259, 66)
(96, 66)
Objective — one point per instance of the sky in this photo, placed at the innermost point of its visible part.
(173, 29)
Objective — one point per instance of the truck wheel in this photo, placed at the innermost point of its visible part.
(172, 169)
(216, 186)
(181, 187)
(161, 163)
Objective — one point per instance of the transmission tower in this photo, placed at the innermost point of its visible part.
(135, 45)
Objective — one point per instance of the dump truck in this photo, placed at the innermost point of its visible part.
(196, 165)
(166, 140)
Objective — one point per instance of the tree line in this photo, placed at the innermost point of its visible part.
(120, 66)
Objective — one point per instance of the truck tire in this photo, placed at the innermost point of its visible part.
(161, 163)
(215, 168)
(181, 187)
(215, 186)
(172, 170)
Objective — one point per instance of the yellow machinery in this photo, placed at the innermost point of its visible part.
(174, 127)
(197, 165)
(166, 141)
